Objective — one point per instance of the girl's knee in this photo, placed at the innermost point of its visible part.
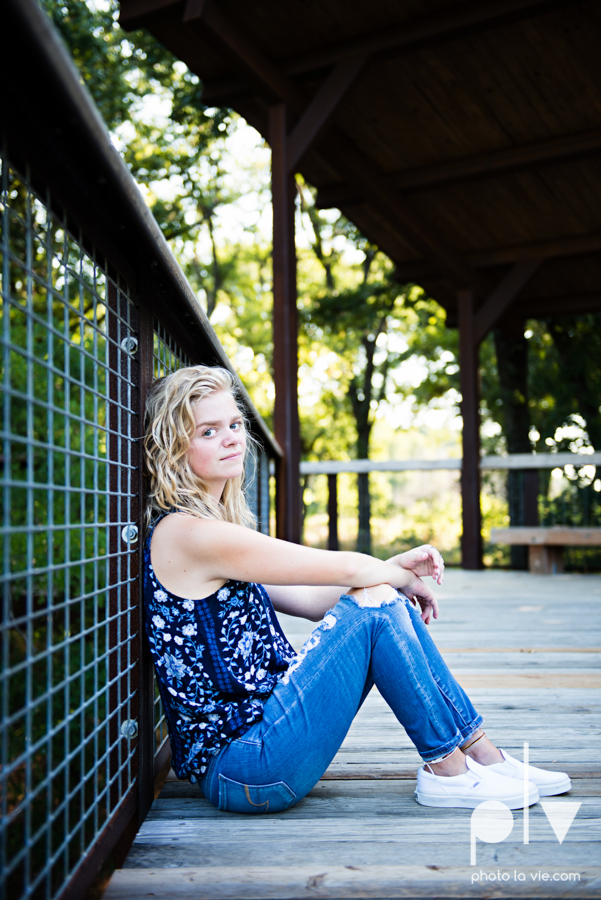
(375, 595)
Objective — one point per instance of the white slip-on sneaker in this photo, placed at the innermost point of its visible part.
(475, 786)
(548, 783)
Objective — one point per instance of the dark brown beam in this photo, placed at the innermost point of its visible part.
(333, 512)
(133, 13)
(320, 110)
(457, 22)
(349, 160)
(503, 296)
(471, 539)
(450, 24)
(573, 245)
(269, 79)
(564, 305)
(225, 91)
(285, 330)
(458, 170)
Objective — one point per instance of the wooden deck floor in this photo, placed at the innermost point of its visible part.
(527, 649)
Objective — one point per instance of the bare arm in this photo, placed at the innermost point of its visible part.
(196, 556)
(311, 602)
(304, 600)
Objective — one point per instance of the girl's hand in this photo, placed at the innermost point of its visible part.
(417, 591)
(424, 560)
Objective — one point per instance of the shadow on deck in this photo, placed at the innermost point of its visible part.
(527, 649)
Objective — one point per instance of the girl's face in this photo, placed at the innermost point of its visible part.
(217, 448)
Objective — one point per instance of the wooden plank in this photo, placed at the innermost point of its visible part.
(511, 461)
(413, 35)
(448, 24)
(545, 560)
(359, 797)
(530, 680)
(358, 853)
(458, 170)
(408, 821)
(559, 535)
(560, 246)
(363, 813)
(282, 882)
(488, 650)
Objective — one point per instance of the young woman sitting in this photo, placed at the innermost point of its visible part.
(250, 720)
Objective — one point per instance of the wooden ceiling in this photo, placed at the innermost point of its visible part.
(464, 140)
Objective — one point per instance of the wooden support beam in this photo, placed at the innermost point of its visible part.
(561, 305)
(320, 110)
(425, 31)
(433, 28)
(270, 81)
(333, 512)
(459, 170)
(349, 159)
(471, 540)
(133, 13)
(503, 296)
(573, 245)
(285, 330)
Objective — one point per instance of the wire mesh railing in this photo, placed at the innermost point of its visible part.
(166, 358)
(72, 687)
(93, 306)
(69, 628)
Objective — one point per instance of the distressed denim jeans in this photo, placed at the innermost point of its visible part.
(306, 718)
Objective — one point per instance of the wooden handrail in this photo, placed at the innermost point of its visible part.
(512, 461)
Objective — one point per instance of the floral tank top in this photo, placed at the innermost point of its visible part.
(216, 661)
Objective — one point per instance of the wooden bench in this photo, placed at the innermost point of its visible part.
(545, 545)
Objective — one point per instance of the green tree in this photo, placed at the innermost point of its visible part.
(356, 311)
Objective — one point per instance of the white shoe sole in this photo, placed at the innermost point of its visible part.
(555, 787)
(515, 801)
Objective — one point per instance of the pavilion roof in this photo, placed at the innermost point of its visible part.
(463, 140)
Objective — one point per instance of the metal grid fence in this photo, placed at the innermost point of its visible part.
(166, 358)
(69, 475)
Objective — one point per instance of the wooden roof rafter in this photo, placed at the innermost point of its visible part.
(511, 159)
(425, 31)
(275, 87)
(326, 144)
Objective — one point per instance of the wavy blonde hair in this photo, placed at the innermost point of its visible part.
(169, 428)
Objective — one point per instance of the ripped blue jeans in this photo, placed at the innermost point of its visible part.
(306, 718)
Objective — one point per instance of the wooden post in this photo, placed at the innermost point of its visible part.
(332, 512)
(471, 541)
(285, 350)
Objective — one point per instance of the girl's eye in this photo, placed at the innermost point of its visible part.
(237, 425)
(209, 432)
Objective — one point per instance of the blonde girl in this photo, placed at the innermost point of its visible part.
(252, 722)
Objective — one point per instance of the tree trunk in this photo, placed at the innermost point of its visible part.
(512, 365)
(574, 356)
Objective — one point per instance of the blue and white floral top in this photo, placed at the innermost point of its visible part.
(216, 659)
